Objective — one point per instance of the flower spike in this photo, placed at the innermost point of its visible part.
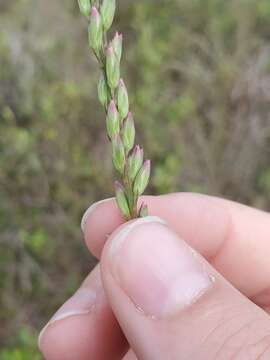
(127, 158)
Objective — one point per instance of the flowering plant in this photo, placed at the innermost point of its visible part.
(128, 158)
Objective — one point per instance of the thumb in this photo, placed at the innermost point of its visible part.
(171, 304)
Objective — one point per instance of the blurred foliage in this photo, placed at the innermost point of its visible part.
(24, 349)
(199, 75)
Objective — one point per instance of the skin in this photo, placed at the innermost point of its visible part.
(228, 321)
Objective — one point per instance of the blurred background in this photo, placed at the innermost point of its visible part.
(198, 73)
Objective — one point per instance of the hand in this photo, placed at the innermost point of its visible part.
(162, 299)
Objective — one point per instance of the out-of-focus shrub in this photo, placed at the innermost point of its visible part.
(24, 349)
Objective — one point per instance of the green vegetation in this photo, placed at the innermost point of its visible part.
(127, 157)
(199, 72)
(25, 348)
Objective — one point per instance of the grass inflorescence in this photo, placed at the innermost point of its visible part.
(128, 158)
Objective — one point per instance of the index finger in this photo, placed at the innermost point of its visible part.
(233, 237)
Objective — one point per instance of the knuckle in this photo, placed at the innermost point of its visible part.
(235, 336)
(258, 350)
(250, 341)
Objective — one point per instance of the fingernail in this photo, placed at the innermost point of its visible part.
(81, 303)
(90, 210)
(157, 270)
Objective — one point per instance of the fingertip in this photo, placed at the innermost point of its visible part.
(98, 222)
(101, 219)
(149, 261)
(84, 327)
(90, 210)
(67, 338)
(123, 232)
(84, 337)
